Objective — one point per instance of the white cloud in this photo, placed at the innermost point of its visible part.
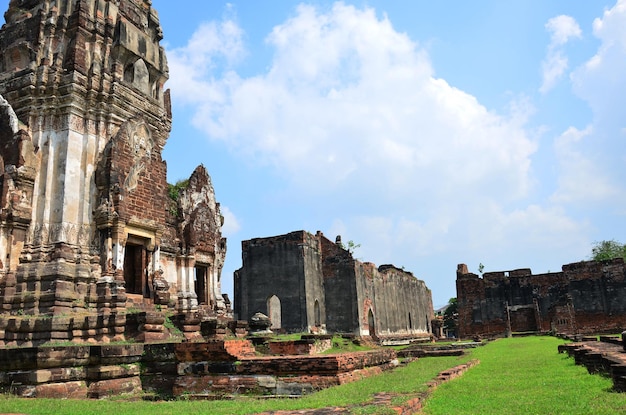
(562, 28)
(213, 45)
(591, 161)
(348, 101)
(581, 178)
(601, 80)
(231, 223)
(351, 114)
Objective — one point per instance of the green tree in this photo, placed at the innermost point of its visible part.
(351, 246)
(607, 250)
(451, 316)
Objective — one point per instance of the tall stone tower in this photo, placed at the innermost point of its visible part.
(85, 215)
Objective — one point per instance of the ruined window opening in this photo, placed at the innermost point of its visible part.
(135, 269)
(410, 322)
(200, 284)
(274, 312)
(318, 314)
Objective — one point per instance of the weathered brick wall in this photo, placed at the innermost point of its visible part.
(71, 372)
(138, 171)
(300, 347)
(402, 303)
(585, 297)
(293, 267)
(339, 272)
(285, 266)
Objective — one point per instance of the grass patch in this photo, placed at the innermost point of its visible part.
(342, 344)
(526, 375)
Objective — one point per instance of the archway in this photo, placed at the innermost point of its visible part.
(318, 314)
(371, 323)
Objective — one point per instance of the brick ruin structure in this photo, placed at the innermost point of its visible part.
(307, 283)
(585, 297)
(86, 220)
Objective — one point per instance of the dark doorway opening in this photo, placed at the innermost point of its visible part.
(200, 285)
(135, 267)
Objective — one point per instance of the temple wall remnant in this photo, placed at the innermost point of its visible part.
(320, 287)
(585, 297)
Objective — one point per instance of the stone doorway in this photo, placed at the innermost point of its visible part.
(200, 285)
(523, 319)
(135, 269)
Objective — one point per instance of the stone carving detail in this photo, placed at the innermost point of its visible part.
(140, 141)
(141, 145)
(7, 109)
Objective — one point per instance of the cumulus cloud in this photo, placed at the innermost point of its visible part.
(231, 223)
(591, 161)
(213, 46)
(562, 28)
(582, 180)
(350, 113)
(348, 101)
(601, 81)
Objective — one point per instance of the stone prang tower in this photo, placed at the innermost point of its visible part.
(88, 221)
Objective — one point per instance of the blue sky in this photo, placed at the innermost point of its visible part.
(430, 133)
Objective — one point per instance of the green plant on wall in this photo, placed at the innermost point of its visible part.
(174, 191)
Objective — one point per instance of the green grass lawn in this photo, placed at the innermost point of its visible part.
(526, 376)
(515, 376)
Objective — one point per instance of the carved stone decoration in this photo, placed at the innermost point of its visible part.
(140, 140)
(7, 113)
(81, 85)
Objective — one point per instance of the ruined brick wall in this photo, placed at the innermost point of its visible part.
(135, 176)
(339, 270)
(358, 298)
(287, 267)
(597, 291)
(585, 297)
(403, 304)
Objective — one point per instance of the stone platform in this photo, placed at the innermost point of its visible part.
(606, 356)
(199, 370)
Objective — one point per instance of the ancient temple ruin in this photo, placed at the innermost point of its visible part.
(585, 297)
(88, 222)
(307, 283)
